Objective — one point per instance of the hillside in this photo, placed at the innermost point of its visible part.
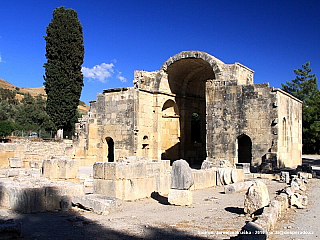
(33, 92)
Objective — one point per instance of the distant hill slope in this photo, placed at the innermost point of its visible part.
(83, 108)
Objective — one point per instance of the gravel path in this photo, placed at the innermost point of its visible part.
(304, 223)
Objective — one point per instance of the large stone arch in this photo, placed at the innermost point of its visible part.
(184, 77)
(215, 64)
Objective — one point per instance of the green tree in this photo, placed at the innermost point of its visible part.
(63, 76)
(6, 128)
(305, 88)
(32, 114)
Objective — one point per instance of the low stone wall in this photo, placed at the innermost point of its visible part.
(291, 196)
(135, 180)
(28, 195)
(131, 181)
(32, 152)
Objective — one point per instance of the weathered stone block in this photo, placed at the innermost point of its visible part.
(50, 169)
(98, 170)
(72, 169)
(207, 164)
(135, 170)
(98, 203)
(256, 197)
(204, 178)
(114, 170)
(26, 200)
(237, 175)
(165, 165)
(181, 175)
(180, 197)
(298, 200)
(60, 168)
(15, 162)
(4, 156)
(65, 203)
(138, 188)
(52, 198)
(163, 183)
(111, 188)
(153, 169)
(237, 187)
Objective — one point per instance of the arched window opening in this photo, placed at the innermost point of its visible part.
(110, 149)
(195, 128)
(170, 108)
(284, 132)
(244, 149)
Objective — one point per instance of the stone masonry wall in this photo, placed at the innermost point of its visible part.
(112, 116)
(234, 110)
(289, 123)
(32, 153)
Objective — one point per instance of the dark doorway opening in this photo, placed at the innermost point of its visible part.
(110, 149)
(244, 149)
(195, 128)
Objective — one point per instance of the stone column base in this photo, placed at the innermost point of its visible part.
(180, 197)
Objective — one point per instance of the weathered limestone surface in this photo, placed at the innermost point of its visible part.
(15, 163)
(181, 175)
(237, 187)
(60, 167)
(35, 195)
(180, 197)
(256, 197)
(99, 204)
(131, 180)
(204, 178)
(32, 153)
(227, 176)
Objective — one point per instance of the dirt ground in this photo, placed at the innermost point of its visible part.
(214, 215)
(303, 223)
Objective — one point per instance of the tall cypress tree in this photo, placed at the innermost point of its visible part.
(63, 76)
(305, 88)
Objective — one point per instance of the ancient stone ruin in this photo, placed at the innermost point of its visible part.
(195, 123)
(195, 107)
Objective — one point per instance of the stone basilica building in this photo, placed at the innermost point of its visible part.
(195, 107)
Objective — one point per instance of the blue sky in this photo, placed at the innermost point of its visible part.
(270, 37)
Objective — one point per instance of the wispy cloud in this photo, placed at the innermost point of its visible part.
(99, 72)
(121, 78)
(1, 57)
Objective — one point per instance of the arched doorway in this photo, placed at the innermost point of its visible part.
(110, 149)
(187, 79)
(244, 149)
(170, 131)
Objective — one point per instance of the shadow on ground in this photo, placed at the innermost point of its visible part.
(236, 210)
(161, 199)
(74, 226)
(40, 224)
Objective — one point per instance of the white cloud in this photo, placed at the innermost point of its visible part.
(100, 72)
(0, 57)
(121, 78)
